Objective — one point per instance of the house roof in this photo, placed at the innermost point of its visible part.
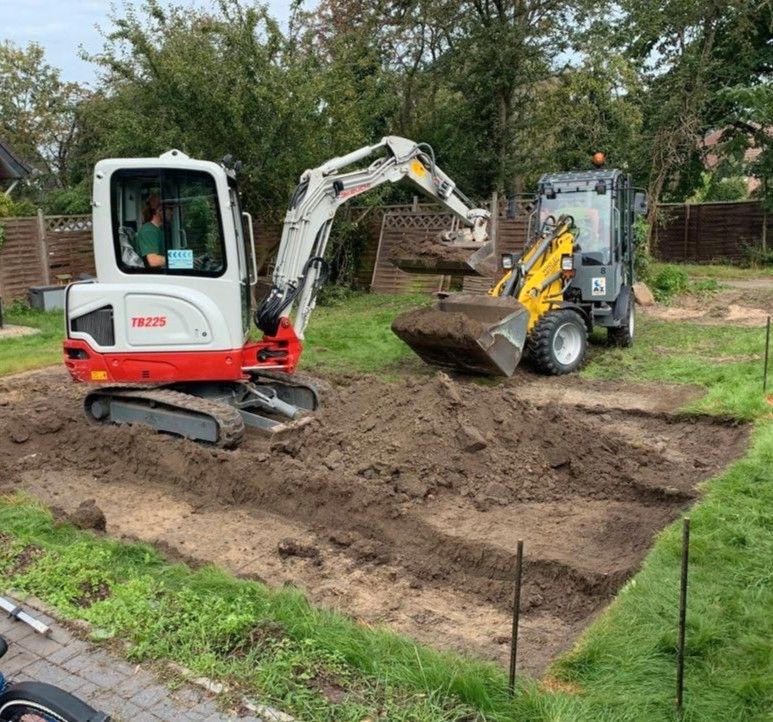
(12, 167)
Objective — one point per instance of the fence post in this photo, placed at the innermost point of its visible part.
(46, 272)
(494, 224)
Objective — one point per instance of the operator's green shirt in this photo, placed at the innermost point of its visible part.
(150, 239)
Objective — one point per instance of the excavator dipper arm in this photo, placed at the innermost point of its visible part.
(300, 265)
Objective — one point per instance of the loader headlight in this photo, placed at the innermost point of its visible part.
(567, 263)
(507, 261)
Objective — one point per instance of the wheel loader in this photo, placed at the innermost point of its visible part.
(575, 273)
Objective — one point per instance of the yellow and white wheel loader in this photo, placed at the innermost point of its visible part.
(576, 273)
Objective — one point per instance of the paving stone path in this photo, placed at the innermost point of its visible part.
(127, 692)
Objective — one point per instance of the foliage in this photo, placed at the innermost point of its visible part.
(642, 262)
(715, 187)
(69, 201)
(687, 52)
(721, 272)
(10, 208)
(667, 282)
(502, 91)
(757, 257)
(38, 113)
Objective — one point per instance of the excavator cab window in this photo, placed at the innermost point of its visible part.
(173, 215)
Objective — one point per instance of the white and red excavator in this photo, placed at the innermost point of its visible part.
(169, 346)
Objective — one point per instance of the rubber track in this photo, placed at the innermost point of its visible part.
(229, 421)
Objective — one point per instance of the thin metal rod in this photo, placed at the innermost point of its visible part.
(767, 354)
(682, 613)
(16, 612)
(516, 615)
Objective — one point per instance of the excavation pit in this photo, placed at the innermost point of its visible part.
(400, 503)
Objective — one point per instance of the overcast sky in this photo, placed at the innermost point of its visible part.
(63, 26)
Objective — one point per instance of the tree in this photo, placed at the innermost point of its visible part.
(688, 52)
(38, 111)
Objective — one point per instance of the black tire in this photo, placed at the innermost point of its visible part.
(548, 342)
(623, 335)
(36, 701)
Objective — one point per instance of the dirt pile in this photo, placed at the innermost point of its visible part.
(399, 502)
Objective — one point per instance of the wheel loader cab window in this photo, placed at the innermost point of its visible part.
(167, 221)
(592, 215)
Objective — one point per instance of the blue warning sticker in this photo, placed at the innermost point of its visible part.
(179, 258)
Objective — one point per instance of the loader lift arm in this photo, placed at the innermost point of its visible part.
(301, 268)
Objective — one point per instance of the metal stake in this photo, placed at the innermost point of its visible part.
(516, 615)
(682, 614)
(16, 612)
(767, 354)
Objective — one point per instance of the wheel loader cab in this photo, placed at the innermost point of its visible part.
(188, 318)
(601, 204)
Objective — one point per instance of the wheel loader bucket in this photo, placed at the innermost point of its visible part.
(467, 332)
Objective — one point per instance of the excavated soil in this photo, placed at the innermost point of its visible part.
(424, 326)
(430, 248)
(399, 503)
(745, 306)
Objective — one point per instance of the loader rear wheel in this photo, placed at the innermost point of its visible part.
(558, 342)
(623, 335)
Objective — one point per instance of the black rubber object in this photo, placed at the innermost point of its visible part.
(621, 335)
(541, 342)
(45, 699)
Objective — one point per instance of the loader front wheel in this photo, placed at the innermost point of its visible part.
(558, 342)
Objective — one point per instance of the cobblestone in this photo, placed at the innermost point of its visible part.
(127, 692)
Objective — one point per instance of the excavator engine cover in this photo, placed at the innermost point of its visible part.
(468, 332)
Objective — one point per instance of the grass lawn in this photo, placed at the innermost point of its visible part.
(720, 271)
(30, 352)
(726, 360)
(272, 645)
(355, 335)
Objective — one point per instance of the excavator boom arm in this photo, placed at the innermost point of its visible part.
(300, 266)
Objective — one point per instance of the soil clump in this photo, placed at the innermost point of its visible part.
(429, 248)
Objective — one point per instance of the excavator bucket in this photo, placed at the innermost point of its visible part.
(468, 332)
(434, 257)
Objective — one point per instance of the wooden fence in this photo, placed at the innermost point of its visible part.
(703, 232)
(46, 250)
(509, 229)
(43, 250)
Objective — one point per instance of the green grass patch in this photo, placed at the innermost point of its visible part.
(625, 662)
(268, 643)
(718, 271)
(23, 353)
(726, 360)
(355, 335)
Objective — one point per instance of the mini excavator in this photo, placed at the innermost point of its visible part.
(164, 338)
